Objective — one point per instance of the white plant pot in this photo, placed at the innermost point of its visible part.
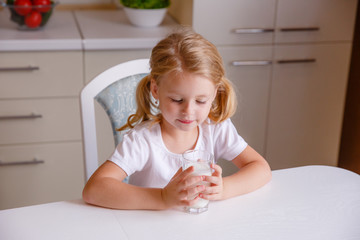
(145, 17)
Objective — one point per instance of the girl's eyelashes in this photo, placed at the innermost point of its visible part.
(176, 100)
(201, 101)
(181, 100)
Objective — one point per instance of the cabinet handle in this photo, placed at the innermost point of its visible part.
(251, 63)
(309, 60)
(9, 69)
(14, 117)
(252, 30)
(300, 29)
(34, 161)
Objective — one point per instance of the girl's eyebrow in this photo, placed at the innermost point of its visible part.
(180, 95)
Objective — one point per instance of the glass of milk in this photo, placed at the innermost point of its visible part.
(201, 161)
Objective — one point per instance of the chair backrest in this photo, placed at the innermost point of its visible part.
(114, 89)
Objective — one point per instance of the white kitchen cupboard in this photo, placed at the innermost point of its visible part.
(307, 102)
(40, 140)
(252, 82)
(303, 67)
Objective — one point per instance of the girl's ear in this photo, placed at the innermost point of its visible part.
(154, 89)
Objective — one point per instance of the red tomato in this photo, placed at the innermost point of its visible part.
(42, 5)
(22, 7)
(33, 19)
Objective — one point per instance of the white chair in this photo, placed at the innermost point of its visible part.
(115, 90)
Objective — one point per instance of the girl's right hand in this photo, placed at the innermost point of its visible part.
(182, 187)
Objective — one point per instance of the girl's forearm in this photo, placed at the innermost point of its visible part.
(111, 193)
(249, 178)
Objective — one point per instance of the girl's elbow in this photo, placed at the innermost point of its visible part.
(267, 173)
(87, 195)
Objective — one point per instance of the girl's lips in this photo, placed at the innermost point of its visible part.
(185, 121)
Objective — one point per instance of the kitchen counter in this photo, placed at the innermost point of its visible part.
(110, 29)
(60, 33)
(82, 30)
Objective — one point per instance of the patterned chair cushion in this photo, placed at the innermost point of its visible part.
(118, 100)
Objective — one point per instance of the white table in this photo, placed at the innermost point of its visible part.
(313, 202)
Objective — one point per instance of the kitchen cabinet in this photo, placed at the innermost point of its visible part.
(41, 156)
(307, 104)
(289, 61)
(251, 80)
(39, 111)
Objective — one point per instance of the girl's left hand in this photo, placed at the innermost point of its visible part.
(215, 190)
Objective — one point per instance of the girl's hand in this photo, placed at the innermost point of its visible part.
(181, 188)
(215, 191)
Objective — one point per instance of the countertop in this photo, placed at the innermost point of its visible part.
(82, 30)
(60, 33)
(111, 29)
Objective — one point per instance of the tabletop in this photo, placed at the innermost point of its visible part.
(311, 202)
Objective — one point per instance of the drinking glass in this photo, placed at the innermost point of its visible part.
(201, 160)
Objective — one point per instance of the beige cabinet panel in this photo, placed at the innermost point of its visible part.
(98, 61)
(60, 176)
(59, 73)
(249, 68)
(231, 21)
(59, 121)
(306, 106)
(334, 19)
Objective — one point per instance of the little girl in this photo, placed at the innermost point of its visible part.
(193, 102)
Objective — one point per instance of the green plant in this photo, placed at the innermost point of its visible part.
(146, 4)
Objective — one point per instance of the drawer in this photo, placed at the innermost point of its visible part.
(40, 74)
(249, 69)
(58, 175)
(39, 120)
(315, 20)
(245, 21)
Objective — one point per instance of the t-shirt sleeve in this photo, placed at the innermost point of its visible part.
(228, 143)
(130, 154)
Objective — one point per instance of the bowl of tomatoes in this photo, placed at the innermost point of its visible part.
(30, 14)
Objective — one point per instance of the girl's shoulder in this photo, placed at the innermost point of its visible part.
(220, 130)
(209, 124)
(146, 129)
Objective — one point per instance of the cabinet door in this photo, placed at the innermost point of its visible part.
(306, 107)
(315, 20)
(56, 175)
(39, 120)
(234, 21)
(40, 74)
(249, 68)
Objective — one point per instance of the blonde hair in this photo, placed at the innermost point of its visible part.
(184, 51)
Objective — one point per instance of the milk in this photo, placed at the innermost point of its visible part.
(201, 169)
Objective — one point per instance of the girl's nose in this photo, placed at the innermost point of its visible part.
(188, 108)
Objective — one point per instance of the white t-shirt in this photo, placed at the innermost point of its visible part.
(143, 154)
